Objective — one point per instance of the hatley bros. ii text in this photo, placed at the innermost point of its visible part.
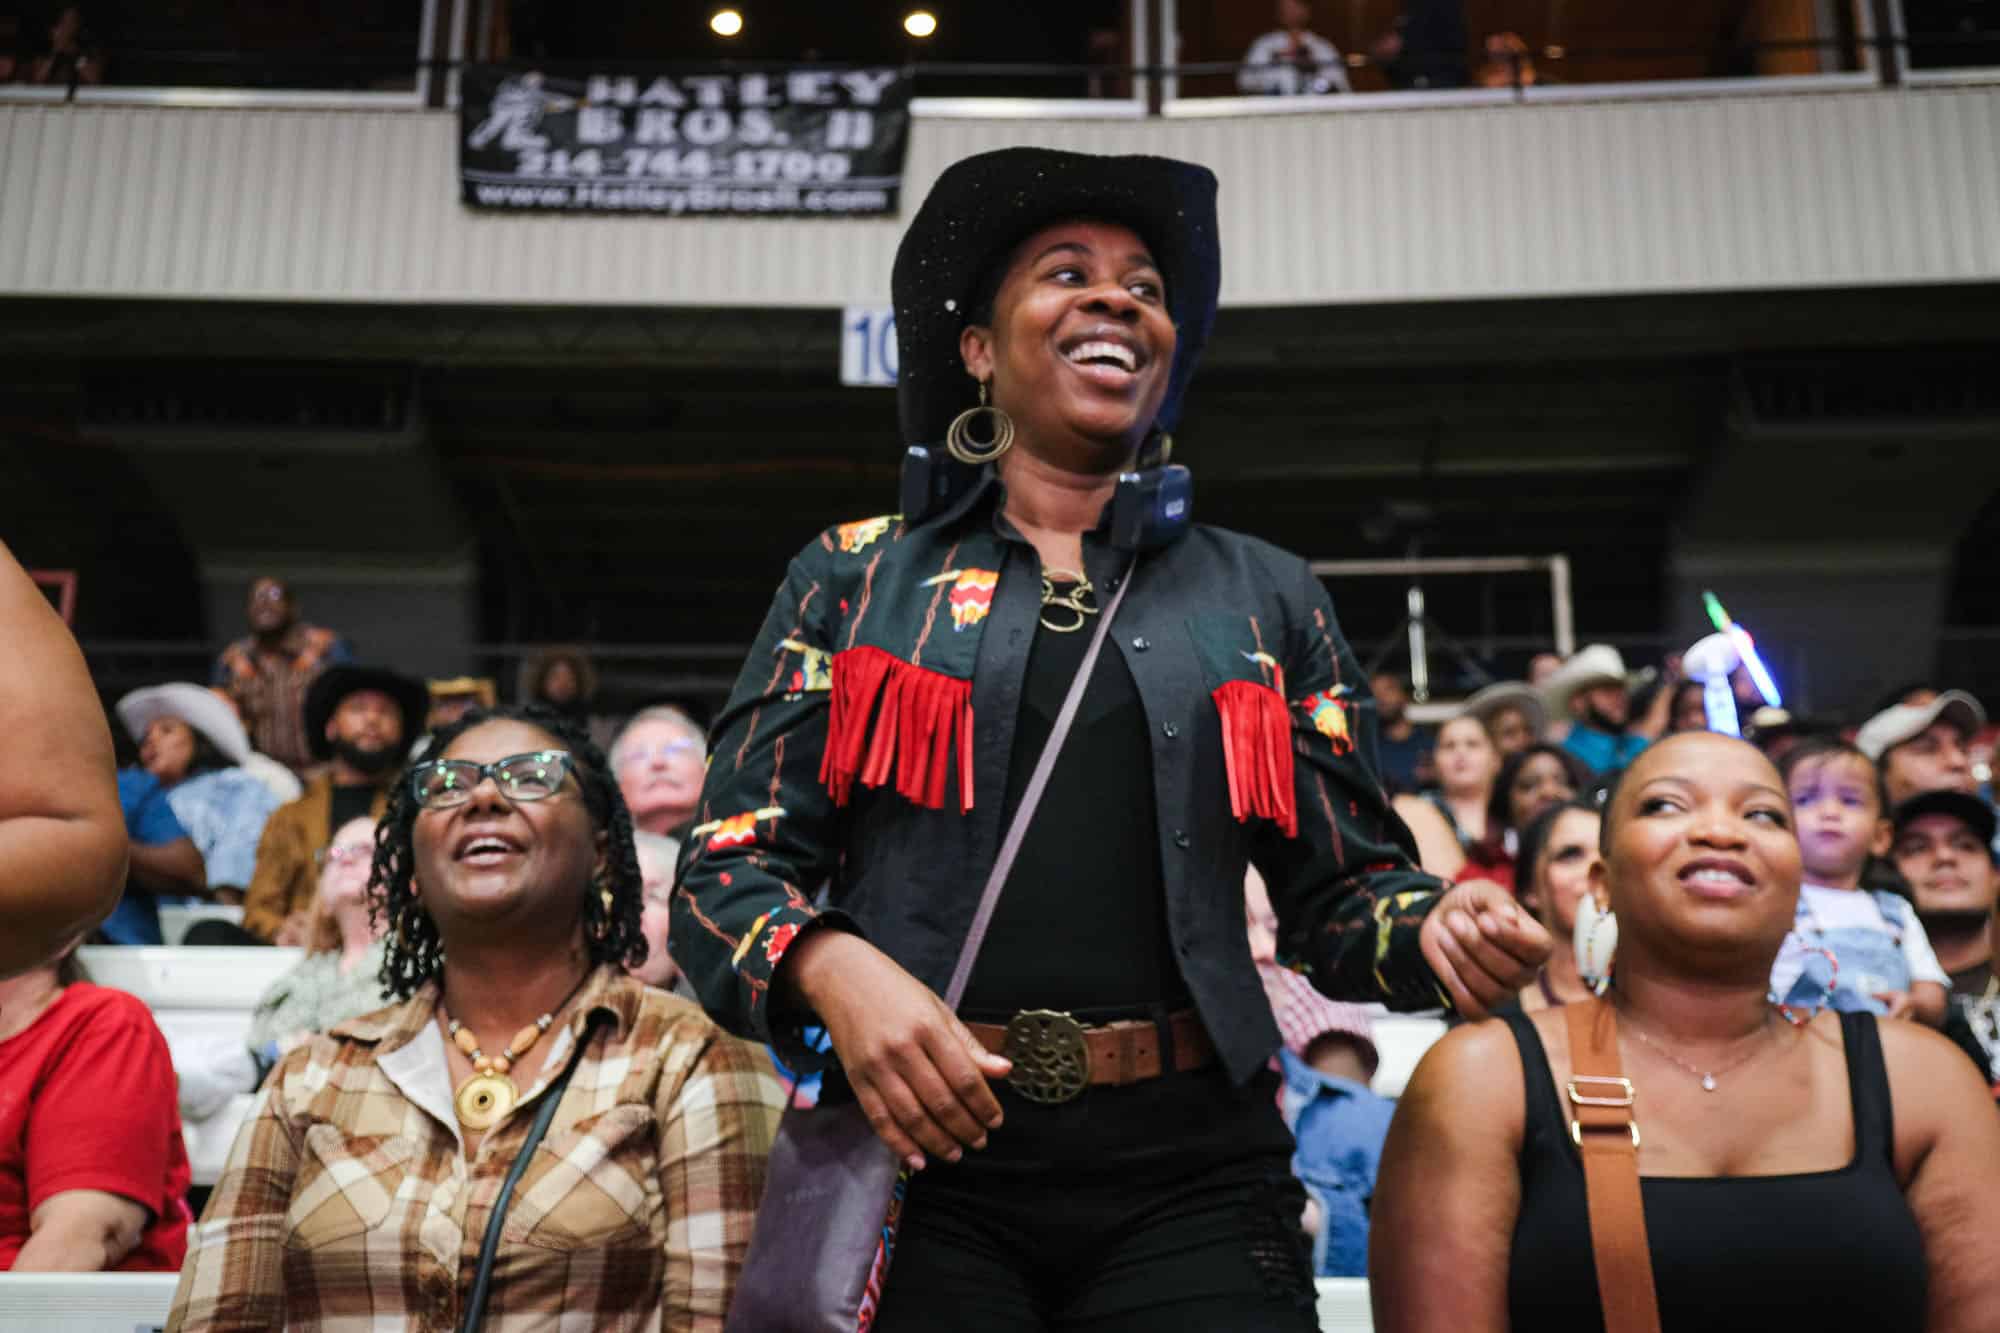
(743, 142)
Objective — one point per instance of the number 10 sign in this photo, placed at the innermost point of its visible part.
(868, 346)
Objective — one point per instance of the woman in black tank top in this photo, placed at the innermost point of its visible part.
(1725, 1246)
(1826, 1175)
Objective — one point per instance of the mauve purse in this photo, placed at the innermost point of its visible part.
(833, 1191)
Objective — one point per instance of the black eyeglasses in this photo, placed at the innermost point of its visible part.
(439, 784)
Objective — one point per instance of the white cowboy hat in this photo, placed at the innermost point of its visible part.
(211, 715)
(1505, 694)
(204, 710)
(1597, 664)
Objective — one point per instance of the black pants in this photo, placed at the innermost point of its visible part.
(1166, 1206)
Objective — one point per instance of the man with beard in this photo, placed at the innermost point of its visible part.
(1943, 850)
(1593, 690)
(268, 673)
(361, 720)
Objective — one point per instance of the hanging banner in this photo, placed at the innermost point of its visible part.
(820, 142)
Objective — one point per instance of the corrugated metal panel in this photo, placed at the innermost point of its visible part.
(1823, 188)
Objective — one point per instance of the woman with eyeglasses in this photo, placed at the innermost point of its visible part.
(339, 978)
(531, 1134)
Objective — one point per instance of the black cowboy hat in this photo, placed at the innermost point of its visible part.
(413, 701)
(984, 206)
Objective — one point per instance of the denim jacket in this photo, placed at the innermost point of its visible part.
(1339, 1125)
(857, 773)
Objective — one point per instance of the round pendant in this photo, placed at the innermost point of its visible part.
(482, 1099)
(1708, 1083)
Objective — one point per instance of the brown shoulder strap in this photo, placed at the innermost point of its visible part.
(1607, 1137)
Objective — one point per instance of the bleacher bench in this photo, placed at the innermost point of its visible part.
(135, 1302)
(198, 996)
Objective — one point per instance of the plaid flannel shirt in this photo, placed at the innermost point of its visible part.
(1304, 1015)
(348, 1201)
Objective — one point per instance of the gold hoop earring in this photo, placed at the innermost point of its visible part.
(1158, 452)
(958, 441)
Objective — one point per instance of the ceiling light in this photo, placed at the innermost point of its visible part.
(726, 23)
(920, 23)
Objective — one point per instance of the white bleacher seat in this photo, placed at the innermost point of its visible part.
(208, 1141)
(124, 1302)
(1343, 1305)
(1400, 1041)
(175, 918)
(198, 997)
(189, 978)
(85, 1302)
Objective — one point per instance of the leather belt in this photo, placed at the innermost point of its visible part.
(1056, 1058)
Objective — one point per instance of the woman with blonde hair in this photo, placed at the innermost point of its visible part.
(339, 978)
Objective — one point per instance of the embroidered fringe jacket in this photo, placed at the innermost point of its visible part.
(856, 775)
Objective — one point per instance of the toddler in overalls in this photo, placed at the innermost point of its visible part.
(1850, 949)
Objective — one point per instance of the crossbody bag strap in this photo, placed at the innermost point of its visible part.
(489, 1249)
(1017, 831)
(1607, 1138)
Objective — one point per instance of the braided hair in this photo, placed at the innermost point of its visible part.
(413, 952)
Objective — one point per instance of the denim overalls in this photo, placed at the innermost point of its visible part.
(1871, 961)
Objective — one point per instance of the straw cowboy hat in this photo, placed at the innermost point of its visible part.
(1502, 695)
(1598, 664)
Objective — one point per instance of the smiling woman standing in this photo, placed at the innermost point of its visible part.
(1826, 1172)
(1130, 1170)
(365, 1185)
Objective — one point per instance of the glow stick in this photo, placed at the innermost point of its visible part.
(1746, 649)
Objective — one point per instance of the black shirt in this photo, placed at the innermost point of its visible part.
(859, 775)
(1975, 982)
(350, 803)
(1082, 921)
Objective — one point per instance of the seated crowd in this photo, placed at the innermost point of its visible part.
(466, 942)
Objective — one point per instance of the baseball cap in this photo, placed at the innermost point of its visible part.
(1905, 722)
(1972, 811)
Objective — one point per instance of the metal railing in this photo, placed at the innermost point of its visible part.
(631, 675)
(972, 86)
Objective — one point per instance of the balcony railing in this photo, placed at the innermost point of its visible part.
(1186, 57)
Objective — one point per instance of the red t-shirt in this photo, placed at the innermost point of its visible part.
(88, 1102)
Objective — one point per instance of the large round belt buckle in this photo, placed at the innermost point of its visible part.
(1051, 1058)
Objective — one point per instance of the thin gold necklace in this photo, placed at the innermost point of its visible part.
(1707, 1076)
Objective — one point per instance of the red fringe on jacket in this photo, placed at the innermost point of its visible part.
(1257, 748)
(920, 714)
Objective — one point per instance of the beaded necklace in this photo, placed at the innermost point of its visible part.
(488, 1093)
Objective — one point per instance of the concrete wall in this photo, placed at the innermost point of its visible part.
(1797, 185)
